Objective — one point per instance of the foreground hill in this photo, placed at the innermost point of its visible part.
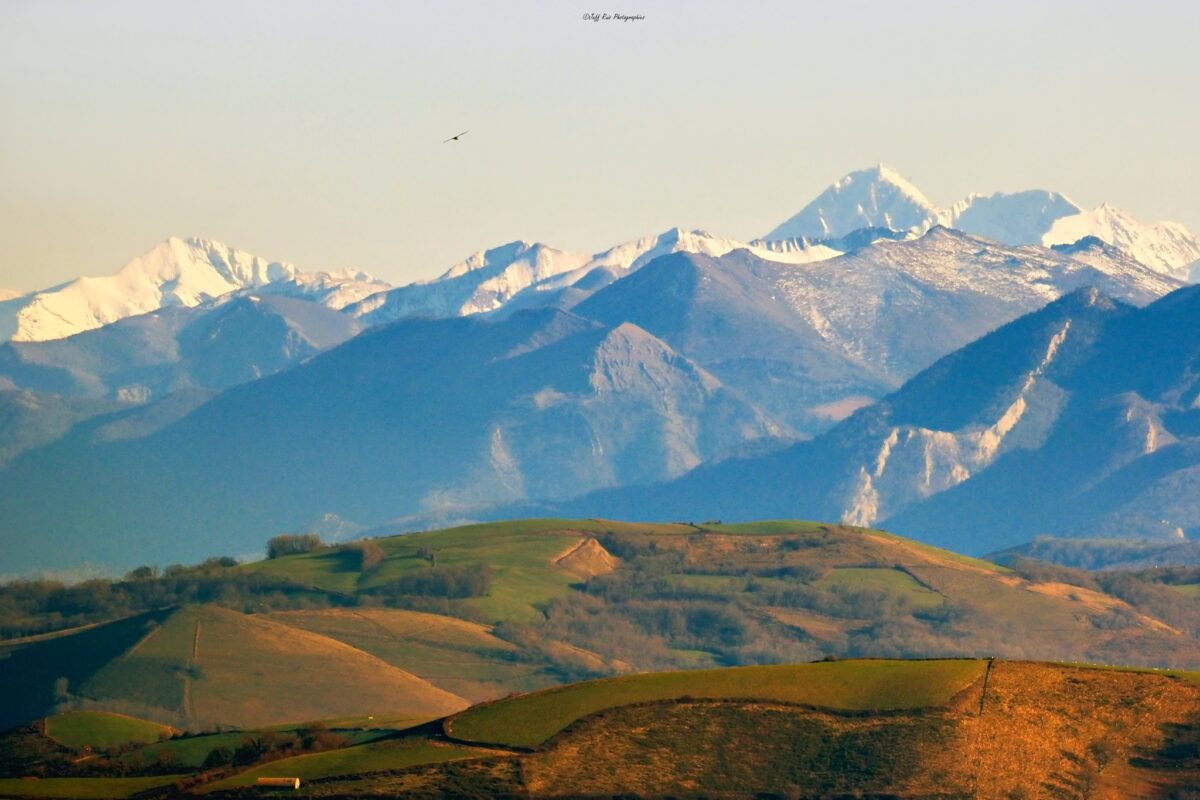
(900, 729)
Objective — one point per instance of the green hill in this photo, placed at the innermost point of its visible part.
(520, 556)
(99, 730)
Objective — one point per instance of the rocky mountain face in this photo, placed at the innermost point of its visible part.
(811, 343)
(521, 275)
(1080, 418)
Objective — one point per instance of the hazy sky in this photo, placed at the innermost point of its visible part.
(312, 131)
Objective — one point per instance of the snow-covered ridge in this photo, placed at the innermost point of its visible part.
(178, 272)
(482, 282)
(880, 196)
(520, 271)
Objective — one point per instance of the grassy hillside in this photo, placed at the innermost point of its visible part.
(102, 730)
(931, 729)
(230, 667)
(203, 665)
(1035, 731)
(520, 555)
(530, 720)
(464, 658)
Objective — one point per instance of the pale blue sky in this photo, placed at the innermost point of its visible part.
(311, 131)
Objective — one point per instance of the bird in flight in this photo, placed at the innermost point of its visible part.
(454, 138)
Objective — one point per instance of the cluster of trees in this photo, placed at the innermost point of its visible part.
(449, 583)
(263, 746)
(292, 544)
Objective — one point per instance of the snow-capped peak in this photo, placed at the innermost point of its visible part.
(178, 272)
(1166, 247)
(874, 197)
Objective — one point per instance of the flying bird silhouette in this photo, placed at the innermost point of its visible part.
(454, 138)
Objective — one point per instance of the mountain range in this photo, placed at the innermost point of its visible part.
(725, 378)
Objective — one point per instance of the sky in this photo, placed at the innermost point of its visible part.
(311, 132)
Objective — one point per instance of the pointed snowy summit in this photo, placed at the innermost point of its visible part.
(876, 197)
